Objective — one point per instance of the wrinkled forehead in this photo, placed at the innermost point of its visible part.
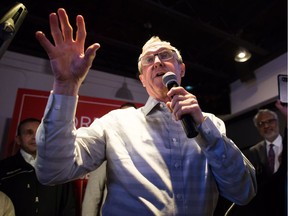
(154, 47)
(29, 125)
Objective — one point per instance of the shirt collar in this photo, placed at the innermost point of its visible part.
(150, 104)
(28, 158)
(277, 142)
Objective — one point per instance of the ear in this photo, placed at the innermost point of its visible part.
(17, 140)
(183, 69)
(142, 79)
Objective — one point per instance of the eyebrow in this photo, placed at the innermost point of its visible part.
(157, 51)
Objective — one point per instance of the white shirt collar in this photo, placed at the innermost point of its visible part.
(28, 158)
(277, 142)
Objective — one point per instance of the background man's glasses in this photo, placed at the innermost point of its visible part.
(263, 123)
(164, 55)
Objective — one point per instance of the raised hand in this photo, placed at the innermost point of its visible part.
(69, 60)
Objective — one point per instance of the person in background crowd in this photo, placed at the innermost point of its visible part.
(267, 124)
(271, 170)
(127, 105)
(96, 190)
(19, 181)
(6, 205)
(153, 168)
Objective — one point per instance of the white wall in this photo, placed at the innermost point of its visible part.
(22, 71)
(263, 89)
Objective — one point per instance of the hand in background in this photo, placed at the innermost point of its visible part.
(281, 108)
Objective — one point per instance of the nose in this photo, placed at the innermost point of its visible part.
(266, 124)
(157, 59)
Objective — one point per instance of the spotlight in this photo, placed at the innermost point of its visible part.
(10, 23)
(242, 55)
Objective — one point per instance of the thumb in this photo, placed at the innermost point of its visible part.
(168, 104)
(90, 53)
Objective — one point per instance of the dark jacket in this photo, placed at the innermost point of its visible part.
(18, 180)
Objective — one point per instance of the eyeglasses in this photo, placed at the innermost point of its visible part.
(263, 123)
(164, 55)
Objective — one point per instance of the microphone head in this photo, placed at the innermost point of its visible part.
(168, 78)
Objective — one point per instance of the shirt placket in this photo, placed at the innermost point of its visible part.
(176, 168)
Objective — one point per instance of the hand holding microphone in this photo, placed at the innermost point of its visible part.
(170, 80)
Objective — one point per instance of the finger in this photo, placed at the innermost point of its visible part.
(45, 43)
(168, 104)
(174, 106)
(178, 110)
(176, 100)
(81, 30)
(90, 54)
(176, 91)
(55, 30)
(184, 105)
(66, 28)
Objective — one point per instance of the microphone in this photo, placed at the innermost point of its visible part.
(170, 80)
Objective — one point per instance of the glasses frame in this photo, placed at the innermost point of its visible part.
(159, 55)
(261, 124)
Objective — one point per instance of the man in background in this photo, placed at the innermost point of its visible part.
(269, 157)
(267, 154)
(18, 180)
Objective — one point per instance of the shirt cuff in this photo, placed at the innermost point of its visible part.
(61, 107)
(208, 134)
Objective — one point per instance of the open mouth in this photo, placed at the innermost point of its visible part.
(160, 74)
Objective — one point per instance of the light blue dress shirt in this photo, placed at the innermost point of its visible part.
(152, 167)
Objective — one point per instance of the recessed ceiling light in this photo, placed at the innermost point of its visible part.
(242, 55)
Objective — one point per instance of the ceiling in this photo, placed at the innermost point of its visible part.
(206, 32)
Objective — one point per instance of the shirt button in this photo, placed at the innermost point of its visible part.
(177, 165)
(179, 196)
(57, 106)
(208, 132)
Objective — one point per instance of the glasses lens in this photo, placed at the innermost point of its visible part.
(163, 56)
(147, 60)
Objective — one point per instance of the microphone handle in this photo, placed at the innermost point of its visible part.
(189, 126)
(186, 120)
